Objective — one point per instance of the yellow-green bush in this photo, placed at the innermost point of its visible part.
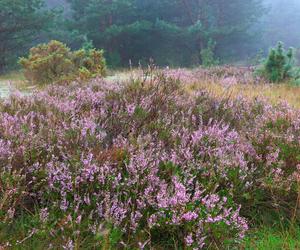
(55, 62)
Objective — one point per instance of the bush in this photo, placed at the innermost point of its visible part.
(55, 62)
(279, 65)
(208, 56)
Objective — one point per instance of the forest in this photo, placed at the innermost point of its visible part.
(150, 124)
(172, 32)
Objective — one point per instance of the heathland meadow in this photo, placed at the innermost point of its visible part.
(155, 159)
(149, 125)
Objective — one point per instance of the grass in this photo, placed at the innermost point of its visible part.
(18, 232)
(275, 93)
(15, 79)
(270, 238)
(13, 76)
(264, 238)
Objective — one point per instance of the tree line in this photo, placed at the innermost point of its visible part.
(172, 32)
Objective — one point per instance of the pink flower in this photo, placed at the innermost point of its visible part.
(189, 216)
(189, 240)
(131, 108)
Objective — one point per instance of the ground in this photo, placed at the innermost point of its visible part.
(14, 81)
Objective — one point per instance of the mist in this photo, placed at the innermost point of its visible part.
(282, 22)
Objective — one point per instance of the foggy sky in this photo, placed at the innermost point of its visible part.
(282, 22)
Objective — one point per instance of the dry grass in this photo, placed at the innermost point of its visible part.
(123, 75)
(14, 79)
(275, 93)
(198, 78)
(14, 76)
(237, 81)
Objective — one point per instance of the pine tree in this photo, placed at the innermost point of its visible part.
(20, 23)
(170, 31)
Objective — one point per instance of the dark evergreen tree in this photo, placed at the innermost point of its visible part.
(170, 31)
(21, 22)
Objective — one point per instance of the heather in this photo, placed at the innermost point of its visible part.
(145, 164)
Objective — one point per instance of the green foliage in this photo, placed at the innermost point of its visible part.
(21, 22)
(89, 60)
(114, 59)
(268, 237)
(279, 65)
(130, 30)
(11, 193)
(55, 62)
(208, 55)
(257, 59)
(87, 45)
(139, 30)
(47, 63)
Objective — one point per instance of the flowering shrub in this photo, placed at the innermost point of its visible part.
(143, 165)
(224, 75)
(54, 62)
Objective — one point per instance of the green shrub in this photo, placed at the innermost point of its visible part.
(90, 60)
(55, 62)
(279, 65)
(208, 56)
